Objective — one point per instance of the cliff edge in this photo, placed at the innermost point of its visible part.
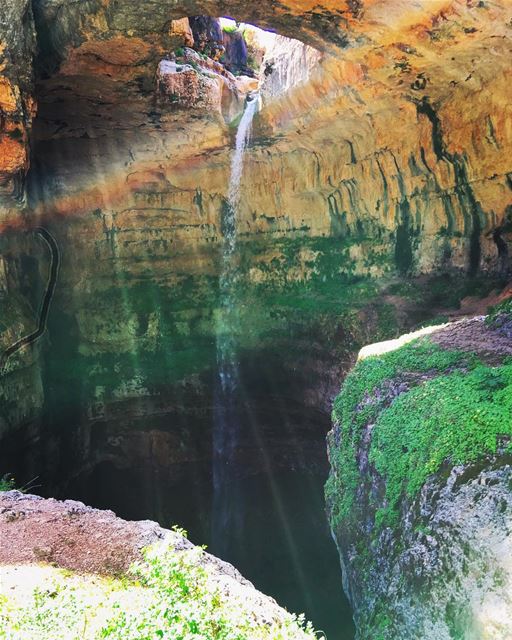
(70, 571)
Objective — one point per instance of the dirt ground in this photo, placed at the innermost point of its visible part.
(69, 535)
(473, 335)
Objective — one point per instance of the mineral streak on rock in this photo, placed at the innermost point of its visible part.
(389, 161)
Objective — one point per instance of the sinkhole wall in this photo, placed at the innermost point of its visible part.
(350, 229)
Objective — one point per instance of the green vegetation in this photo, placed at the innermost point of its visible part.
(252, 63)
(230, 28)
(7, 483)
(365, 394)
(144, 335)
(460, 417)
(157, 335)
(427, 407)
(169, 596)
(15, 134)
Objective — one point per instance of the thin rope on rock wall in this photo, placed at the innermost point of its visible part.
(47, 299)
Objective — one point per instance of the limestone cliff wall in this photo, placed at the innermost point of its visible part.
(405, 132)
(325, 156)
(391, 161)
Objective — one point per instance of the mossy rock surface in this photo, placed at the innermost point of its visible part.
(418, 427)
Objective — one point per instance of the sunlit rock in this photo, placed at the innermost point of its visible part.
(196, 83)
(180, 32)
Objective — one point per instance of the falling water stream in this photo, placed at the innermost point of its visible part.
(270, 525)
(226, 509)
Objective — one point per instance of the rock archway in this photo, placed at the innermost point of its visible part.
(370, 193)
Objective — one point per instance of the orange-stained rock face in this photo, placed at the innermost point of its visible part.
(181, 33)
(13, 154)
(188, 89)
(17, 106)
(9, 96)
(410, 109)
(112, 56)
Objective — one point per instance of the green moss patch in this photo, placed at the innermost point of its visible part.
(363, 397)
(426, 408)
(457, 418)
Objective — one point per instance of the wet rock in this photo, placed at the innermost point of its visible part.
(208, 36)
(235, 56)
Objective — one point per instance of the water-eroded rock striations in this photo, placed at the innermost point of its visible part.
(377, 193)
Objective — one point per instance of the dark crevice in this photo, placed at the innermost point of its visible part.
(475, 249)
(353, 159)
(473, 214)
(500, 242)
(425, 108)
(501, 246)
(403, 246)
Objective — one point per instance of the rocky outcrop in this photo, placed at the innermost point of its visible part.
(236, 55)
(181, 32)
(192, 84)
(419, 493)
(41, 538)
(17, 103)
(208, 36)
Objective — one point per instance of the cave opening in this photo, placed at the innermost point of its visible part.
(129, 361)
(203, 220)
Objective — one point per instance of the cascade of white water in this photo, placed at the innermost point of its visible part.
(225, 422)
(243, 136)
(287, 64)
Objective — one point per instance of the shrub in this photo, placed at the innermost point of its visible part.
(169, 596)
(7, 483)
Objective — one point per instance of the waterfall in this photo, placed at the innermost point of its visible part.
(226, 425)
(243, 136)
(287, 64)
